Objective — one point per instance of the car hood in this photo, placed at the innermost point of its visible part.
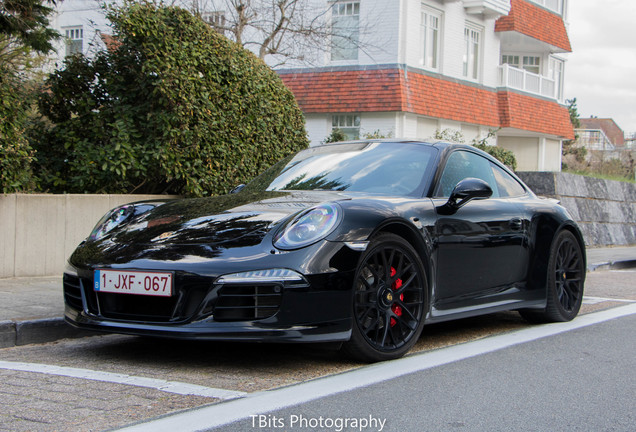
(244, 217)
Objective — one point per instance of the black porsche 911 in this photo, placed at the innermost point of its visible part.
(361, 242)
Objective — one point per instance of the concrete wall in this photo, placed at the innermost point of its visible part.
(604, 209)
(38, 232)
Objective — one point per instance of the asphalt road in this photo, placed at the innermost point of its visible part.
(582, 380)
(579, 380)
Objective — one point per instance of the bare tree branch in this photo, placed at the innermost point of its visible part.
(281, 30)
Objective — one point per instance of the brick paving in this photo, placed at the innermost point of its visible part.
(72, 404)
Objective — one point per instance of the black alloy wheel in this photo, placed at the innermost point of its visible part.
(566, 279)
(388, 300)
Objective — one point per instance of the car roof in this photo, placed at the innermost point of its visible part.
(432, 143)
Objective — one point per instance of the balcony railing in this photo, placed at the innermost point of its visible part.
(521, 79)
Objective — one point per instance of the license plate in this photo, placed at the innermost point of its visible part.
(134, 282)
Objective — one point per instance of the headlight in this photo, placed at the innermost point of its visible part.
(308, 227)
(261, 276)
(112, 219)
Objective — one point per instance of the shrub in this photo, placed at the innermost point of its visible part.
(174, 107)
(16, 154)
(501, 154)
(504, 156)
(336, 135)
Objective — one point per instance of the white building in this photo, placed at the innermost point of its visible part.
(81, 24)
(425, 66)
(409, 68)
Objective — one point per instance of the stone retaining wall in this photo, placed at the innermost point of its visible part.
(604, 209)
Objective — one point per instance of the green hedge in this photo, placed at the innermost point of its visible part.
(16, 154)
(175, 107)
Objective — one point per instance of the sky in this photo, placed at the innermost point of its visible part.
(601, 70)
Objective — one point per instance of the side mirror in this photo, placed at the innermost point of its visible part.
(237, 189)
(466, 190)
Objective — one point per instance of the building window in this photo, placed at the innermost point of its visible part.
(471, 60)
(345, 27)
(349, 124)
(430, 38)
(532, 64)
(555, 72)
(512, 60)
(529, 63)
(74, 40)
(216, 20)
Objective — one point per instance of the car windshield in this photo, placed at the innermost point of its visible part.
(377, 168)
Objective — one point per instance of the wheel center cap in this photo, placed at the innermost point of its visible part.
(385, 297)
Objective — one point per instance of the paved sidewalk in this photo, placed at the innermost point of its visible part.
(32, 308)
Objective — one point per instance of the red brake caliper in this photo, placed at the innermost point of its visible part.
(395, 308)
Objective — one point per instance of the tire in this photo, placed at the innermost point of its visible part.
(565, 282)
(389, 299)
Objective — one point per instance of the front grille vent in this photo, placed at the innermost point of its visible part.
(72, 291)
(242, 302)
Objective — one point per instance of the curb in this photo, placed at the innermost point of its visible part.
(16, 333)
(612, 265)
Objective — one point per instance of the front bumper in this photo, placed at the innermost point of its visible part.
(335, 331)
(316, 309)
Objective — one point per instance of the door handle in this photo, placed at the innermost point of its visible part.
(515, 224)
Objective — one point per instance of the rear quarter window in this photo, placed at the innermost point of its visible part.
(508, 186)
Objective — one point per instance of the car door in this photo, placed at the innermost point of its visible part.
(481, 247)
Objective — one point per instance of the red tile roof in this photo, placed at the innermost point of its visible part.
(532, 114)
(348, 91)
(435, 97)
(111, 42)
(395, 90)
(536, 22)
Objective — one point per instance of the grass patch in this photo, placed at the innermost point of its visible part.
(601, 176)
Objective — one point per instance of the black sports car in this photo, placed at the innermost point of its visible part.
(358, 242)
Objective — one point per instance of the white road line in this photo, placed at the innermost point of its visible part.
(157, 384)
(595, 300)
(205, 418)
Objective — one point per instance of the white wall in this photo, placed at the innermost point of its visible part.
(526, 151)
(318, 127)
(552, 155)
(384, 123)
(38, 232)
(426, 127)
(453, 22)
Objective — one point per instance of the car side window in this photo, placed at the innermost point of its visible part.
(507, 185)
(461, 165)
